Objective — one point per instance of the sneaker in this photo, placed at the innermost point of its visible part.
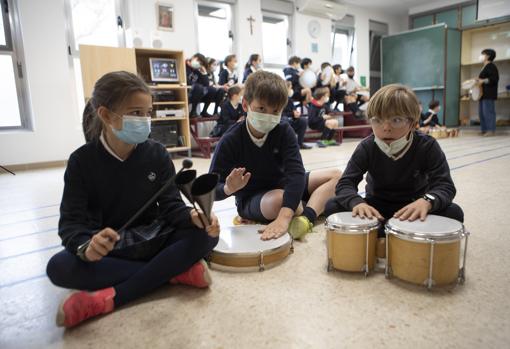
(321, 144)
(331, 142)
(238, 220)
(305, 146)
(489, 134)
(82, 305)
(299, 227)
(197, 276)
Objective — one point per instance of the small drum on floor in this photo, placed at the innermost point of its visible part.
(426, 253)
(351, 242)
(240, 249)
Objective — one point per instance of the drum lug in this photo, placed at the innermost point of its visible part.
(261, 262)
(330, 265)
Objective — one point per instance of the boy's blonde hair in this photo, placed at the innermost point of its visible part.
(394, 100)
(267, 87)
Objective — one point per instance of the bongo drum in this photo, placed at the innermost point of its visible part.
(351, 242)
(240, 249)
(426, 253)
(476, 93)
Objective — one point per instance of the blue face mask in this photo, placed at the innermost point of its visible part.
(135, 129)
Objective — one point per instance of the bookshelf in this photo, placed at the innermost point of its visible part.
(172, 131)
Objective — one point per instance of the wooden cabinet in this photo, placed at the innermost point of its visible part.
(99, 60)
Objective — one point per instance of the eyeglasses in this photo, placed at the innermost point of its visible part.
(395, 122)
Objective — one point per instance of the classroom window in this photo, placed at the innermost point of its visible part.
(92, 22)
(275, 40)
(14, 97)
(215, 30)
(341, 47)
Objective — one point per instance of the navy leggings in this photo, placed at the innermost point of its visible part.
(132, 279)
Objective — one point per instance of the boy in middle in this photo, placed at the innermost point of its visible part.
(258, 162)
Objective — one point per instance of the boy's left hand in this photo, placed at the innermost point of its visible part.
(213, 229)
(275, 229)
(418, 209)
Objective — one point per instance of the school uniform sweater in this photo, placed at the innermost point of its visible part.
(433, 122)
(490, 90)
(101, 191)
(229, 114)
(227, 77)
(288, 111)
(292, 75)
(316, 114)
(423, 169)
(275, 165)
(195, 76)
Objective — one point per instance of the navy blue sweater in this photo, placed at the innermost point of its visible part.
(276, 165)
(100, 191)
(423, 169)
(292, 75)
(225, 79)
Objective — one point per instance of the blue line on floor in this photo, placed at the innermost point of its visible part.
(31, 252)
(29, 220)
(29, 234)
(479, 161)
(28, 209)
(14, 283)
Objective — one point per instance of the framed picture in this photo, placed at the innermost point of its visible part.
(165, 16)
(163, 69)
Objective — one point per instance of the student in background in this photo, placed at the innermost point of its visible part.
(293, 117)
(319, 118)
(106, 182)
(351, 85)
(488, 79)
(231, 112)
(215, 92)
(228, 73)
(198, 79)
(430, 119)
(293, 74)
(259, 162)
(254, 64)
(338, 91)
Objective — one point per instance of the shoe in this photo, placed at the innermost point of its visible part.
(299, 227)
(482, 133)
(305, 147)
(489, 134)
(82, 305)
(197, 276)
(321, 144)
(331, 142)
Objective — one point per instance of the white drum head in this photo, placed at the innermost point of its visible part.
(363, 93)
(468, 84)
(346, 222)
(363, 107)
(434, 228)
(308, 79)
(476, 93)
(245, 239)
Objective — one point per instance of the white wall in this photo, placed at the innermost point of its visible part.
(302, 42)
(57, 129)
(245, 42)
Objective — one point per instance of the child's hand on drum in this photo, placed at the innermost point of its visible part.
(275, 229)
(236, 180)
(418, 209)
(213, 229)
(365, 210)
(101, 244)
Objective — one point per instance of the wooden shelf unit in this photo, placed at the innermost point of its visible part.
(99, 60)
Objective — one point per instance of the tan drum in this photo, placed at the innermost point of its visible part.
(240, 249)
(474, 89)
(426, 253)
(351, 242)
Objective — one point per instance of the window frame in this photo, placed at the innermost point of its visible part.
(289, 19)
(14, 49)
(337, 28)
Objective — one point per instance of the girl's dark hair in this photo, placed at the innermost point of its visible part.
(210, 62)
(234, 90)
(201, 59)
(491, 54)
(324, 65)
(110, 91)
(294, 59)
(305, 61)
(253, 58)
(338, 66)
(229, 58)
(433, 104)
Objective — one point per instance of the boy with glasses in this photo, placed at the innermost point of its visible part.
(408, 175)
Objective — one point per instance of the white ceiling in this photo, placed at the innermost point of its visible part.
(386, 6)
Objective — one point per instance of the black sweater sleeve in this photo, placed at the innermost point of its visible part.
(172, 209)
(223, 77)
(347, 187)
(74, 226)
(222, 165)
(440, 181)
(294, 170)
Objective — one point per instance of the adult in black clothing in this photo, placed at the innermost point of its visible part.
(488, 80)
(408, 175)
(106, 182)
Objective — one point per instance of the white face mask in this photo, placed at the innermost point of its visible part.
(235, 66)
(481, 58)
(291, 93)
(395, 147)
(195, 64)
(262, 122)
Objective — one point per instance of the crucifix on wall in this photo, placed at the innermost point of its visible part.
(251, 20)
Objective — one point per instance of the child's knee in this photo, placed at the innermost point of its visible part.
(58, 267)
(335, 175)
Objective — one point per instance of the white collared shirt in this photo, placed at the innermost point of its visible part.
(108, 149)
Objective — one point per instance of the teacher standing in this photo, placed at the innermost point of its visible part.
(488, 80)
